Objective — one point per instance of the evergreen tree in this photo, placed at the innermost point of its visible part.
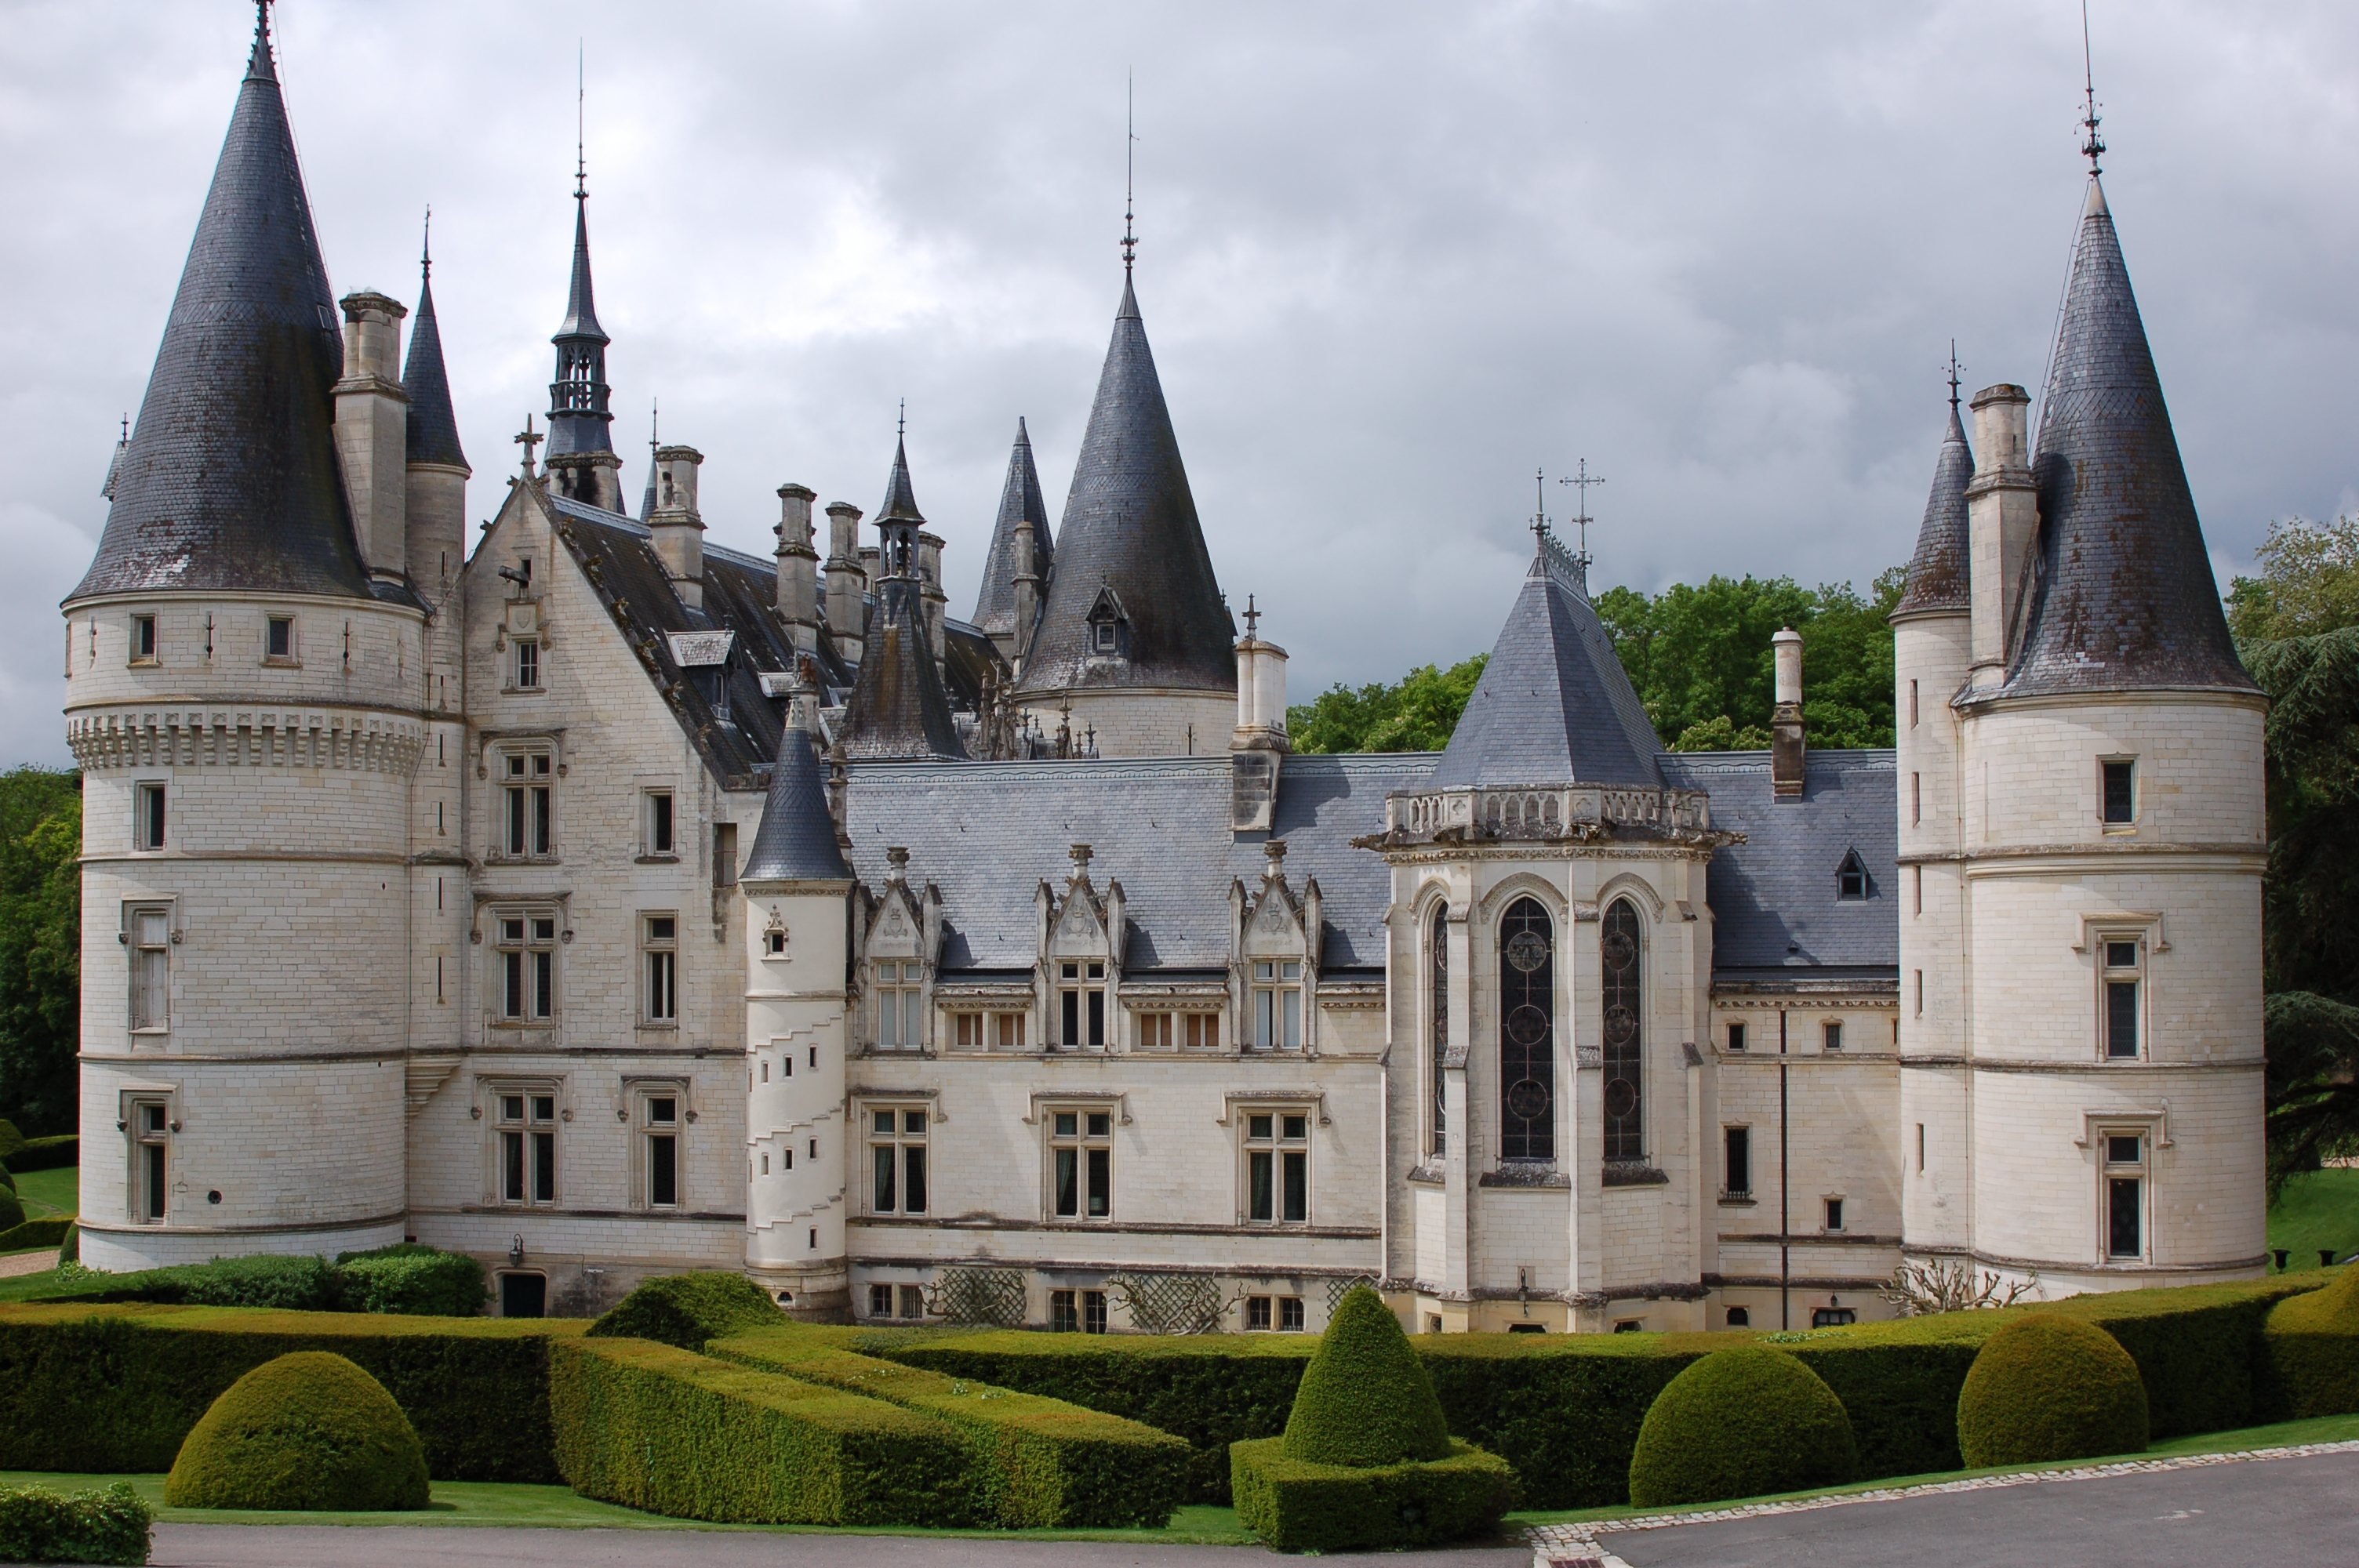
(40, 946)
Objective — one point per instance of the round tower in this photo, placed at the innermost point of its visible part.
(241, 698)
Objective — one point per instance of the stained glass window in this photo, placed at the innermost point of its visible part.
(1438, 1025)
(1526, 1033)
(1624, 1002)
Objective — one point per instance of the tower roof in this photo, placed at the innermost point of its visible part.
(900, 499)
(230, 479)
(580, 307)
(2121, 595)
(1019, 500)
(433, 426)
(1554, 705)
(898, 708)
(1939, 574)
(1130, 525)
(795, 841)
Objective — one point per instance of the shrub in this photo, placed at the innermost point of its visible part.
(307, 1430)
(1741, 1422)
(2311, 1350)
(12, 1209)
(2047, 1387)
(408, 1278)
(46, 1153)
(38, 1525)
(7, 1179)
(1295, 1505)
(70, 1244)
(1038, 1463)
(302, 1284)
(662, 1429)
(116, 1389)
(48, 1231)
(686, 1310)
(1364, 1399)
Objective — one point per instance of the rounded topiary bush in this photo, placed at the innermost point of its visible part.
(307, 1430)
(1364, 1399)
(687, 1310)
(1741, 1422)
(2332, 1310)
(2047, 1387)
(12, 1210)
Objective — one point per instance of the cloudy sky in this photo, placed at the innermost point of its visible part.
(1394, 259)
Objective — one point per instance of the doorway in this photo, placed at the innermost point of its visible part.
(524, 1295)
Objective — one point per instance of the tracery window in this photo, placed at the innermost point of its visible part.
(1624, 998)
(1438, 1022)
(1526, 1033)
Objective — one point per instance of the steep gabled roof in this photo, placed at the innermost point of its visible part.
(2121, 595)
(230, 479)
(1130, 522)
(1019, 499)
(795, 841)
(433, 424)
(1554, 705)
(1940, 573)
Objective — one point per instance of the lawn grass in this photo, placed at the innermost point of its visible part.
(2284, 1434)
(2319, 1209)
(45, 1193)
(513, 1505)
(25, 1287)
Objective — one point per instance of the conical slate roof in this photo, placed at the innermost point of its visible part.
(898, 708)
(900, 499)
(1019, 499)
(1130, 525)
(580, 308)
(796, 839)
(2123, 596)
(1554, 705)
(230, 479)
(433, 426)
(579, 422)
(1940, 573)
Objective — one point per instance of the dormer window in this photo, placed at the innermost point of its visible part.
(1850, 877)
(1109, 627)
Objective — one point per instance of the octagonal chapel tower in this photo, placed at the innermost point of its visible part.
(2083, 1076)
(244, 659)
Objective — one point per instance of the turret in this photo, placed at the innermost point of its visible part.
(435, 467)
(898, 707)
(1016, 569)
(582, 463)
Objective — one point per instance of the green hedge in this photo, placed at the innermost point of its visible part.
(1297, 1506)
(47, 1153)
(1039, 1463)
(2311, 1351)
(116, 1388)
(2046, 1387)
(48, 1231)
(308, 1430)
(684, 1435)
(38, 1525)
(1744, 1421)
(684, 1311)
(406, 1278)
(403, 1278)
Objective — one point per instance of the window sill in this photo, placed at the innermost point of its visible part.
(144, 665)
(658, 1026)
(282, 663)
(657, 860)
(524, 1025)
(524, 691)
(151, 1032)
(1738, 1200)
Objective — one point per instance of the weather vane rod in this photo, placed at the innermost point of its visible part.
(1584, 479)
(1954, 368)
(1129, 165)
(2095, 144)
(580, 121)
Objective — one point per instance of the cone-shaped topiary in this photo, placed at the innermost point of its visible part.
(307, 1430)
(688, 1310)
(1365, 1399)
(2047, 1387)
(1741, 1422)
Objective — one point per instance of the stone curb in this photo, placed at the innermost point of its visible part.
(1575, 1545)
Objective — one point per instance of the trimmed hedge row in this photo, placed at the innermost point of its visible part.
(653, 1427)
(116, 1388)
(1296, 1505)
(45, 1153)
(1039, 1463)
(2311, 1351)
(109, 1525)
(50, 1231)
(402, 1278)
(685, 1310)
(1569, 1406)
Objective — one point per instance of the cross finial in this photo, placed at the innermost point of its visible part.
(1954, 368)
(901, 426)
(529, 440)
(1253, 617)
(1584, 479)
(2094, 144)
(1129, 187)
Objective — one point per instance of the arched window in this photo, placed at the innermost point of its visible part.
(1438, 1020)
(1624, 999)
(1526, 1033)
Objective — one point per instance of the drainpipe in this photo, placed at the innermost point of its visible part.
(1785, 1225)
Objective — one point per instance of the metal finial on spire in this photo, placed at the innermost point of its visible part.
(1539, 523)
(1584, 479)
(1129, 165)
(1253, 617)
(901, 426)
(426, 245)
(2096, 144)
(126, 426)
(529, 440)
(580, 123)
(1954, 368)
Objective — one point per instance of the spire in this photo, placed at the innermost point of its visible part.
(1939, 574)
(1554, 705)
(901, 500)
(231, 478)
(579, 418)
(433, 426)
(796, 842)
(1130, 537)
(1019, 501)
(648, 497)
(898, 708)
(2121, 594)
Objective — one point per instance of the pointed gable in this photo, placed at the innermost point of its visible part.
(1130, 524)
(230, 479)
(2121, 595)
(1939, 573)
(1019, 501)
(1554, 705)
(434, 424)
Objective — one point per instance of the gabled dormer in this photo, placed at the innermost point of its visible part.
(1109, 626)
(1274, 940)
(1081, 937)
(903, 944)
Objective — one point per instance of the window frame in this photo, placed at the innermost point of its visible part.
(145, 644)
(898, 988)
(659, 824)
(151, 816)
(906, 1140)
(141, 1018)
(525, 977)
(1089, 1142)
(526, 828)
(289, 656)
(1079, 1019)
(2113, 980)
(1737, 1158)
(2113, 1175)
(1436, 1030)
(1274, 1164)
(526, 1142)
(659, 969)
(1277, 985)
(648, 1131)
(525, 665)
(2128, 778)
(149, 1123)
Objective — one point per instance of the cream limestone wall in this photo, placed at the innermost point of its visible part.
(1933, 653)
(1141, 721)
(796, 1043)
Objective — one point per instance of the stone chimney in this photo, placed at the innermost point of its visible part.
(1027, 593)
(929, 569)
(2002, 518)
(847, 585)
(677, 526)
(1258, 746)
(798, 568)
(1788, 747)
(373, 432)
